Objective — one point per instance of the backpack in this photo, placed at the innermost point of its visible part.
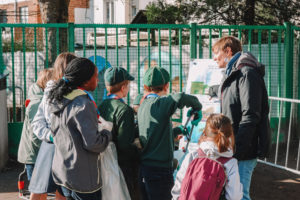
(205, 178)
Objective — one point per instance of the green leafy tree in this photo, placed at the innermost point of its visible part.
(248, 12)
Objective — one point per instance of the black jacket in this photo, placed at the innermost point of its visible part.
(244, 100)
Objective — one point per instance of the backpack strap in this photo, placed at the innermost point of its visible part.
(222, 160)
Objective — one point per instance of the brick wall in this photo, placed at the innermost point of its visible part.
(76, 4)
(34, 10)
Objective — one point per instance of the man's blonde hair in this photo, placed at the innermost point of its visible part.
(227, 41)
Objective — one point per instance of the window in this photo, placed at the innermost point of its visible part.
(110, 12)
(3, 16)
(133, 11)
(24, 14)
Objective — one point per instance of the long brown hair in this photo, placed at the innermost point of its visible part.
(43, 77)
(219, 126)
(61, 63)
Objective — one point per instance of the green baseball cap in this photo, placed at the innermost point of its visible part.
(156, 76)
(114, 75)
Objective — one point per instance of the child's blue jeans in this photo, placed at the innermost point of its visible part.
(29, 170)
(72, 195)
(156, 182)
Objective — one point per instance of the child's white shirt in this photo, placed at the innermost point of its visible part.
(233, 188)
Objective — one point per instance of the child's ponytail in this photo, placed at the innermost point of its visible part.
(222, 142)
(78, 71)
(219, 127)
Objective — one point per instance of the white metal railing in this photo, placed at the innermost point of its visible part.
(281, 102)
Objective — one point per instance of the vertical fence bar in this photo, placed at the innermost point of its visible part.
(240, 34)
(278, 132)
(1, 55)
(288, 61)
(229, 31)
(279, 64)
(210, 43)
(270, 64)
(180, 60)
(289, 136)
(180, 65)
(259, 45)
(149, 49)
(298, 156)
(105, 30)
(159, 47)
(220, 32)
(200, 44)
(83, 42)
(24, 63)
(170, 59)
(35, 55)
(128, 61)
(46, 48)
(193, 40)
(298, 77)
(249, 40)
(117, 45)
(57, 41)
(13, 73)
(95, 44)
(139, 64)
(71, 37)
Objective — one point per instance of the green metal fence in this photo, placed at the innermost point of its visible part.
(24, 51)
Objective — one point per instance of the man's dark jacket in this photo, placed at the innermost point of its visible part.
(244, 100)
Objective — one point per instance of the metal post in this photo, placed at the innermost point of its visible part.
(288, 61)
(71, 37)
(193, 41)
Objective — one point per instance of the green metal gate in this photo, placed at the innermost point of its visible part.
(24, 51)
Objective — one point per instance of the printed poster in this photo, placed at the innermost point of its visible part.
(203, 73)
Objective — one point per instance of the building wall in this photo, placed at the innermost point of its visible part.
(74, 4)
(13, 10)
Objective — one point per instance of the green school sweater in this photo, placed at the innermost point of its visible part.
(155, 127)
(124, 129)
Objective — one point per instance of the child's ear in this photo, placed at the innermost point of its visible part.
(166, 88)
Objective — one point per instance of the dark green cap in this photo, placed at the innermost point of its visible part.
(156, 76)
(114, 75)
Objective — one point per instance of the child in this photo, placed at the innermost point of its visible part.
(30, 144)
(74, 122)
(156, 134)
(115, 110)
(42, 182)
(216, 142)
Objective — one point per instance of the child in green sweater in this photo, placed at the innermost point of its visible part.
(115, 110)
(157, 134)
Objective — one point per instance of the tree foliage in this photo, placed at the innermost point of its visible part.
(231, 12)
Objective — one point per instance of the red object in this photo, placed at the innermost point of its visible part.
(27, 101)
(21, 185)
(204, 178)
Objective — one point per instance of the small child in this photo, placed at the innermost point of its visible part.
(30, 144)
(115, 110)
(77, 140)
(42, 181)
(216, 142)
(156, 133)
